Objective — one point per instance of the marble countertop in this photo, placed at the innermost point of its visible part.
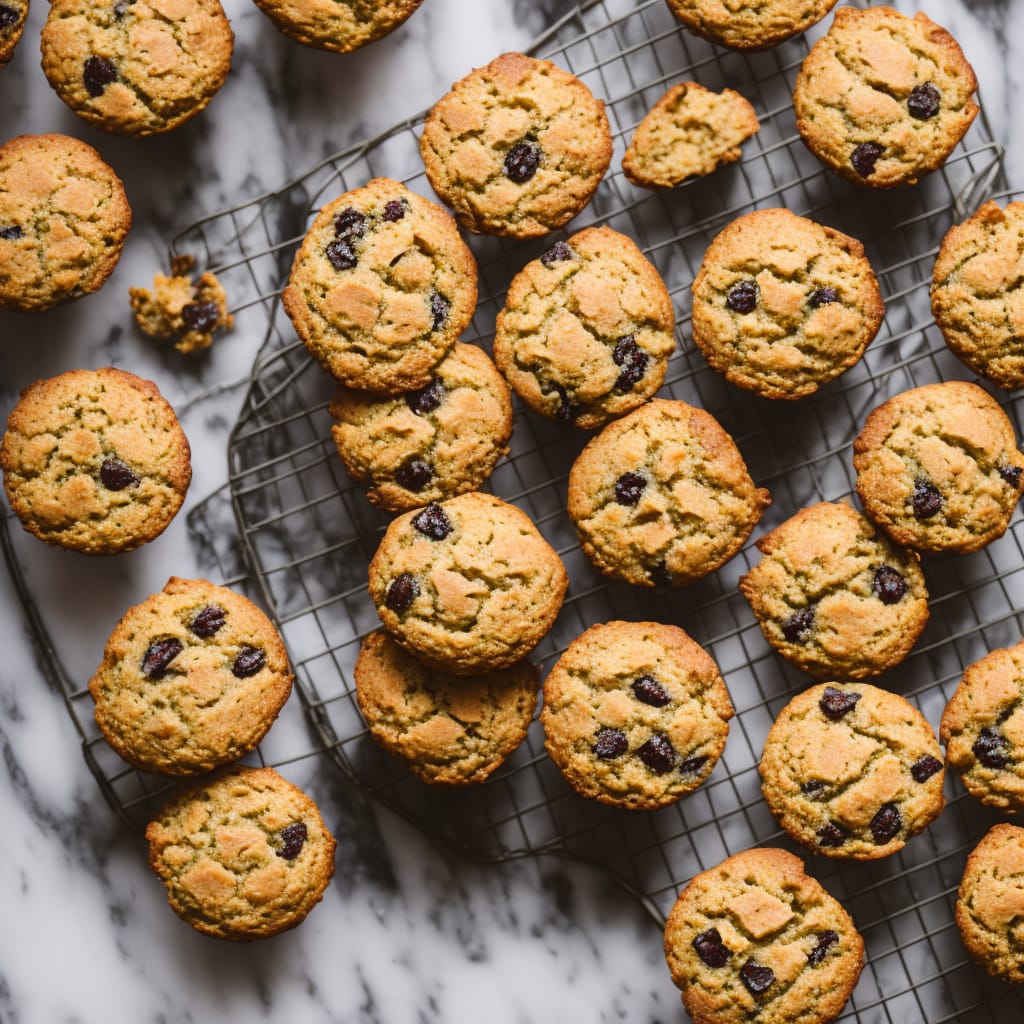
(407, 932)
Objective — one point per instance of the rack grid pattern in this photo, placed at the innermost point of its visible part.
(303, 534)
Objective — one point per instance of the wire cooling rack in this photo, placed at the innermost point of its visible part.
(292, 528)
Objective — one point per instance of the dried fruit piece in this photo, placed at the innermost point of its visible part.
(924, 101)
(159, 654)
(350, 223)
(566, 409)
(404, 589)
(629, 487)
(659, 575)
(610, 743)
(439, 307)
(826, 940)
(8, 16)
(990, 748)
(926, 500)
(394, 209)
(248, 661)
(886, 823)
(798, 625)
(812, 787)
(200, 316)
(341, 254)
(836, 703)
(432, 522)
(11, 233)
(658, 754)
(711, 949)
(427, 399)
(633, 361)
(413, 475)
(742, 297)
(1011, 474)
(693, 765)
(832, 835)
(925, 767)
(116, 476)
(889, 584)
(823, 296)
(757, 977)
(293, 838)
(864, 158)
(648, 690)
(558, 253)
(522, 161)
(99, 73)
(208, 621)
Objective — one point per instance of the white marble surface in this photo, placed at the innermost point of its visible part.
(406, 935)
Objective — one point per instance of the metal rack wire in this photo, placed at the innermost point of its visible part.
(302, 533)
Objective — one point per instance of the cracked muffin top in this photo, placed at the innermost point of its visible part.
(749, 24)
(978, 292)
(381, 287)
(337, 25)
(983, 729)
(191, 678)
(448, 729)
(136, 67)
(467, 585)
(662, 497)
(758, 939)
(95, 461)
(938, 467)
(883, 98)
(517, 147)
(64, 216)
(834, 596)
(636, 714)
(586, 330)
(244, 854)
(852, 771)
(782, 304)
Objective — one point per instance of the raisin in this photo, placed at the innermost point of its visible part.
(159, 654)
(886, 823)
(8, 16)
(121, 8)
(629, 487)
(798, 625)
(926, 500)
(99, 73)
(990, 748)
(566, 411)
(413, 475)
(826, 940)
(350, 223)
(200, 316)
(522, 161)
(427, 399)
(208, 621)
(711, 949)
(831, 835)
(432, 522)
(633, 361)
(404, 589)
(923, 102)
(812, 787)
(650, 691)
(610, 743)
(558, 253)
(116, 476)
(890, 585)
(658, 754)
(823, 296)
(248, 661)
(924, 768)
(757, 977)
(439, 307)
(693, 765)
(1011, 474)
(659, 574)
(864, 158)
(836, 703)
(394, 209)
(341, 254)
(293, 838)
(742, 298)
(11, 233)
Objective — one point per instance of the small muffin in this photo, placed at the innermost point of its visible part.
(244, 854)
(982, 729)
(381, 287)
(430, 444)
(977, 297)
(758, 939)
(662, 496)
(517, 147)
(689, 132)
(182, 310)
(782, 305)
(63, 220)
(136, 67)
(12, 23)
(636, 714)
(586, 330)
(883, 98)
(95, 461)
(467, 585)
(834, 597)
(749, 24)
(453, 730)
(852, 771)
(990, 903)
(938, 468)
(337, 25)
(191, 678)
